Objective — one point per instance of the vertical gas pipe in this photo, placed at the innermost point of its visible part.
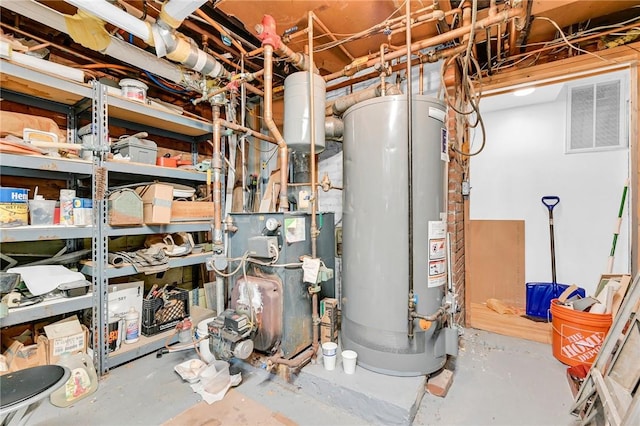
(315, 317)
(217, 184)
(270, 40)
(411, 303)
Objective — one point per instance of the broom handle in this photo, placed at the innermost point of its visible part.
(616, 231)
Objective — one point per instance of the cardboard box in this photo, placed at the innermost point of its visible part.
(123, 297)
(82, 211)
(183, 211)
(328, 320)
(14, 210)
(156, 203)
(21, 350)
(67, 336)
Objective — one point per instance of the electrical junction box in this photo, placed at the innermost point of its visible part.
(263, 246)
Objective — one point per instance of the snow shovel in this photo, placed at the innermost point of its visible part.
(539, 295)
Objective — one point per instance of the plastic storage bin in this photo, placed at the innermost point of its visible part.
(41, 211)
(159, 315)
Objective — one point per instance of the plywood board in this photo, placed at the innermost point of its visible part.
(234, 409)
(484, 318)
(496, 261)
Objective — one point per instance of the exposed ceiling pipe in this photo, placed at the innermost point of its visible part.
(116, 48)
(167, 42)
(343, 103)
(175, 11)
(269, 37)
(500, 17)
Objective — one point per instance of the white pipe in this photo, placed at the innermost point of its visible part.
(219, 294)
(167, 42)
(116, 16)
(118, 49)
(139, 58)
(41, 64)
(180, 9)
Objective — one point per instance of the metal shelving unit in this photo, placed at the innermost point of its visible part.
(43, 233)
(36, 87)
(114, 231)
(47, 308)
(128, 269)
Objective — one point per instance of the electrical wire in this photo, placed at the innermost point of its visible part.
(544, 18)
(164, 86)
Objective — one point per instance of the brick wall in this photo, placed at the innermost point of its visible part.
(456, 202)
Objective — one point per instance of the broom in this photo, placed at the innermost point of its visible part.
(616, 231)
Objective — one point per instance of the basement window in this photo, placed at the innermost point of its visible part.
(596, 118)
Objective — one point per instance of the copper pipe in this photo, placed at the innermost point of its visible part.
(221, 30)
(255, 52)
(295, 362)
(499, 45)
(271, 125)
(243, 129)
(512, 37)
(421, 79)
(216, 165)
(431, 57)
(503, 16)
(383, 75)
(298, 60)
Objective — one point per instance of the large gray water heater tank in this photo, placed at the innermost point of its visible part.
(375, 234)
(297, 112)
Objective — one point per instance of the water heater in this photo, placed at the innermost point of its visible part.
(375, 234)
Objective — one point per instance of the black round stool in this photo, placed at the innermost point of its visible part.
(24, 389)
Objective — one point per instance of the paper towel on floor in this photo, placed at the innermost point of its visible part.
(210, 398)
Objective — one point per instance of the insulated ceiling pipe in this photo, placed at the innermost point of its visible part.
(175, 11)
(501, 17)
(116, 48)
(174, 45)
(343, 103)
(267, 34)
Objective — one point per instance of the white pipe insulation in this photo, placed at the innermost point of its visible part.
(117, 48)
(116, 16)
(175, 46)
(178, 10)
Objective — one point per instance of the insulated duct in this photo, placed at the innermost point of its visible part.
(117, 48)
(167, 42)
(343, 103)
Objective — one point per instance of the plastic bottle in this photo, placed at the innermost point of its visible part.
(82, 382)
(131, 326)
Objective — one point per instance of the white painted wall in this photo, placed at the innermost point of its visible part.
(524, 159)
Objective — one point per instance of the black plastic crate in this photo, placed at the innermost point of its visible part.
(159, 315)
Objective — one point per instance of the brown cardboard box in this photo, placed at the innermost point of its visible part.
(21, 350)
(184, 211)
(328, 320)
(65, 336)
(156, 203)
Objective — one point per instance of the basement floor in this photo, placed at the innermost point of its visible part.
(498, 380)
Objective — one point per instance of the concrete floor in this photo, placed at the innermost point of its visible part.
(498, 380)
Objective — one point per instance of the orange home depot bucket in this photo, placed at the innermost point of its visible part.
(577, 336)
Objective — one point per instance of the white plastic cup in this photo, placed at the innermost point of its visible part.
(329, 362)
(349, 359)
(329, 355)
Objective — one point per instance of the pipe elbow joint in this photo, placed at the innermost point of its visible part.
(267, 34)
